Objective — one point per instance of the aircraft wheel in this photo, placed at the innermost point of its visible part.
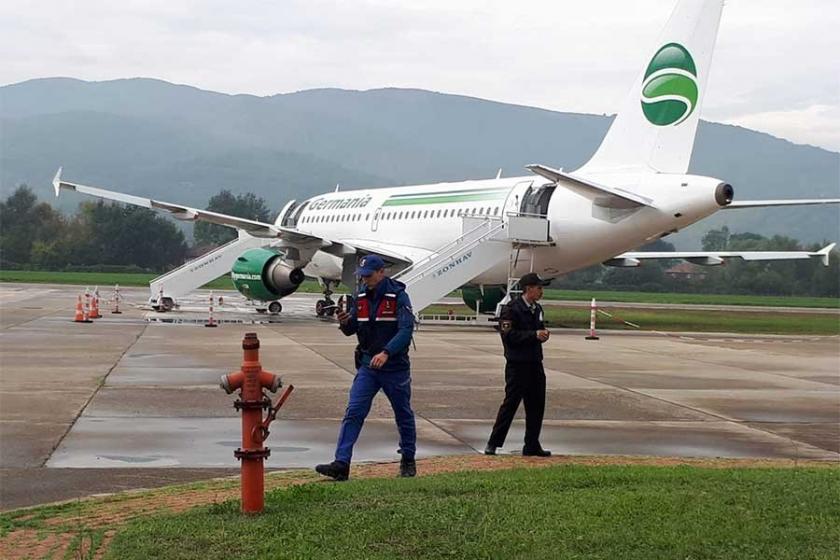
(275, 307)
(330, 309)
(319, 307)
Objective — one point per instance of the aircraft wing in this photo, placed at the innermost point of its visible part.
(767, 203)
(398, 255)
(712, 258)
(181, 212)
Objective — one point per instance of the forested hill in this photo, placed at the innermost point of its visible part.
(182, 144)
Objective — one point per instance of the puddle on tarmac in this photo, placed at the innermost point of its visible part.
(127, 459)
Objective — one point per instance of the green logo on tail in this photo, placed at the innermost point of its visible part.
(669, 90)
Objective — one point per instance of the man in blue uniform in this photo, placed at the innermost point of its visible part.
(523, 334)
(382, 319)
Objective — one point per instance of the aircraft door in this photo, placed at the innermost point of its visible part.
(374, 223)
(292, 217)
(516, 197)
(536, 198)
(285, 212)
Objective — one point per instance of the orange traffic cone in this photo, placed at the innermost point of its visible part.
(80, 312)
(94, 305)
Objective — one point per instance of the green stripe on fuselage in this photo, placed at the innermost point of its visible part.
(445, 198)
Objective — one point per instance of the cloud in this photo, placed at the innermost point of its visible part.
(817, 125)
(772, 56)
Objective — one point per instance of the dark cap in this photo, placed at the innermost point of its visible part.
(370, 264)
(532, 279)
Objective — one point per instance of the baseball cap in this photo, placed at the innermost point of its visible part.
(369, 264)
(532, 279)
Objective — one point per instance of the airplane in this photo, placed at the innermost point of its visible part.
(482, 234)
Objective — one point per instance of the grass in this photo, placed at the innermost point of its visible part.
(102, 279)
(311, 286)
(684, 320)
(612, 512)
(693, 299)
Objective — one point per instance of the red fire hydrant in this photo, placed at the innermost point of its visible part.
(250, 381)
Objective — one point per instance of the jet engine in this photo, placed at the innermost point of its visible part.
(261, 274)
(487, 297)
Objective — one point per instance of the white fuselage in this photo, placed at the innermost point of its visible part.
(416, 221)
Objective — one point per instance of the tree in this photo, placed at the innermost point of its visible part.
(716, 239)
(24, 224)
(649, 277)
(247, 205)
(122, 235)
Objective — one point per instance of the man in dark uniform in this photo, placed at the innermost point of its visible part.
(382, 319)
(523, 334)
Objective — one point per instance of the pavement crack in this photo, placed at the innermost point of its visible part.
(94, 393)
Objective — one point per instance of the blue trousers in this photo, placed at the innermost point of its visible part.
(366, 384)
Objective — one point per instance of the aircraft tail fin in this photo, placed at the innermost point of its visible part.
(655, 128)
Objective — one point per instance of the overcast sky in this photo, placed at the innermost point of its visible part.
(776, 67)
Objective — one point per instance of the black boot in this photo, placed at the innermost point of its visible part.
(535, 452)
(408, 468)
(337, 470)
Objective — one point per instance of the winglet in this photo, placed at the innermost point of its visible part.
(57, 182)
(825, 251)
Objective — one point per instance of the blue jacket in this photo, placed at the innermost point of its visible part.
(383, 320)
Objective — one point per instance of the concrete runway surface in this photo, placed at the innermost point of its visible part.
(127, 403)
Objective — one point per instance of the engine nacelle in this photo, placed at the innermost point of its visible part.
(261, 274)
(487, 301)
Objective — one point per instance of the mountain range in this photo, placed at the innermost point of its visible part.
(182, 144)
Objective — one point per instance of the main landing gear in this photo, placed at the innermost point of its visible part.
(326, 307)
(274, 308)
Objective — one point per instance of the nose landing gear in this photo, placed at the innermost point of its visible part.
(326, 307)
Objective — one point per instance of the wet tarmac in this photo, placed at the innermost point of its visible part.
(125, 402)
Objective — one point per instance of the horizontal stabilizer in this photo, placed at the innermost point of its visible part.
(563, 179)
(713, 258)
(768, 203)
